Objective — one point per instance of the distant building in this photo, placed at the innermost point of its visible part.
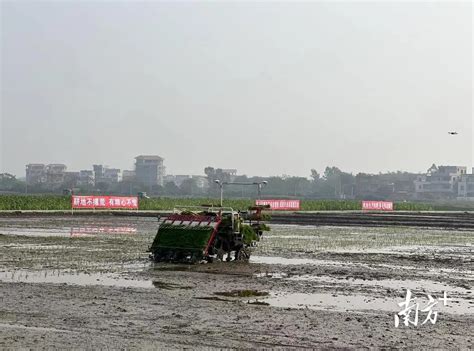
(232, 172)
(393, 186)
(466, 187)
(439, 182)
(149, 169)
(169, 178)
(52, 175)
(128, 176)
(180, 178)
(35, 173)
(71, 179)
(86, 178)
(112, 175)
(98, 173)
(201, 181)
(103, 174)
(55, 174)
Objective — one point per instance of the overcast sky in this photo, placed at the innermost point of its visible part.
(266, 88)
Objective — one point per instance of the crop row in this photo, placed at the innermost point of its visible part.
(50, 202)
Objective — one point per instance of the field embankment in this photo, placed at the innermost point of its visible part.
(444, 220)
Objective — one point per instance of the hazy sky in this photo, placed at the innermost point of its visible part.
(267, 88)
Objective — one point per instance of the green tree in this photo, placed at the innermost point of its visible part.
(8, 182)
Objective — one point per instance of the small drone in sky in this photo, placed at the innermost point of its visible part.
(453, 133)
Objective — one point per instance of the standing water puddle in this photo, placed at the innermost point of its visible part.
(296, 261)
(274, 260)
(342, 303)
(400, 285)
(55, 277)
(90, 230)
(461, 303)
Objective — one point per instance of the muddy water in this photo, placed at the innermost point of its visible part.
(76, 226)
(344, 303)
(401, 285)
(461, 299)
(384, 244)
(312, 274)
(72, 278)
(369, 240)
(70, 231)
(296, 261)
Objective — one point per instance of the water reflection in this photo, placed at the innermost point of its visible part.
(94, 230)
(72, 278)
(343, 303)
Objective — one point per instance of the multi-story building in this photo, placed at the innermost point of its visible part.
(104, 174)
(55, 174)
(232, 172)
(86, 177)
(112, 175)
(466, 187)
(71, 179)
(98, 173)
(128, 176)
(169, 178)
(149, 169)
(439, 182)
(35, 173)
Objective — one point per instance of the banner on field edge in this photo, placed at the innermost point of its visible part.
(377, 205)
(108, 202)
(280, 205)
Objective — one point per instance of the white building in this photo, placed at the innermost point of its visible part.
(439, 182)
(35, 173)
(466, 187)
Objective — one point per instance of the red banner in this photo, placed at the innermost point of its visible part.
(280, 205)
(377, 205)
(110, 202)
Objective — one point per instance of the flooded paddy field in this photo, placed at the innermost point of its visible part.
(86, 281)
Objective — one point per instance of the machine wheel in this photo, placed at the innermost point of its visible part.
(196, 257)
(244, 254)
(220, 254)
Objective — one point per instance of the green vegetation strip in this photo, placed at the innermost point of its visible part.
(44, 202)
(51, 202)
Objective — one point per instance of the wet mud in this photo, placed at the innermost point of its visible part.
(320, 287)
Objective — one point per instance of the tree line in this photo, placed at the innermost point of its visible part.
(333, 183)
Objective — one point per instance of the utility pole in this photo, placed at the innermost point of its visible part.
(260, 185)
(221, 186)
